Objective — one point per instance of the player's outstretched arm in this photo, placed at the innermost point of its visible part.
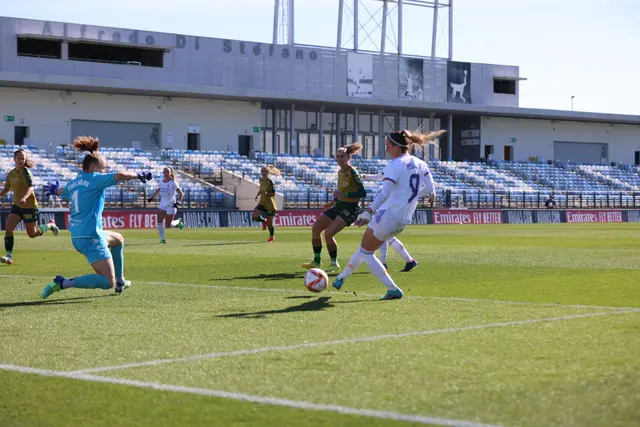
(376, 178)
(130, 176)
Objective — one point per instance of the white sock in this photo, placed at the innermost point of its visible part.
(354, 263)
(400, 249)
(383, 252)
(175, 222)
(161, 230)
(379, 271)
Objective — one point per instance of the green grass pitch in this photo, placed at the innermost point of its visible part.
(504, 325)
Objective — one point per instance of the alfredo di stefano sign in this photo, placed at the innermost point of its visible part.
(176, 41)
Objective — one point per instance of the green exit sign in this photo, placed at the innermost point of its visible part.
(513, 139)
(9, 118)
(256, 129)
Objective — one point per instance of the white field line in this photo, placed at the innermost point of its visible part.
(342, 341)
(386, 415)
(344, 293)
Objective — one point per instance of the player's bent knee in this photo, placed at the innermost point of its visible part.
(115, 239)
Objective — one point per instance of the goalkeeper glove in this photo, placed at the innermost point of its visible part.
(145, 176)
(51, 188)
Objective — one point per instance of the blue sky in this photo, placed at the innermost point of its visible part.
(586, 48)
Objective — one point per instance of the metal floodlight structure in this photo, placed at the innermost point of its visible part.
(375, 26)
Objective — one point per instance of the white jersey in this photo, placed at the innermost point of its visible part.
(412, 179)
(168, 191)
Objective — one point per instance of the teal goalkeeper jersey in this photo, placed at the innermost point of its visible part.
(86, 193)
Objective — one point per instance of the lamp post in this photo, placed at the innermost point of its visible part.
(572, 96)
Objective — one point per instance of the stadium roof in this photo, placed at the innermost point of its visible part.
(130, 87)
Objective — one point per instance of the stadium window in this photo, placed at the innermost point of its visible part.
(349, 122)
(269, 118)
(99, 52)
(300, 120)
(364, 122)
(413, 123)
(312, 120)
(375, 123)
(507, 87)
(40, 48)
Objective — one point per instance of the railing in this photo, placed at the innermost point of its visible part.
(537, 200)
(490, 200)
(203, 172)
(131, 197)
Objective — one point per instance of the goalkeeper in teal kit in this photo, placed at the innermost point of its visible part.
(102, 248)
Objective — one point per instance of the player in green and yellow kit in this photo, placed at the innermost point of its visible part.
(25, 205)
(266, 209)
(342, 212)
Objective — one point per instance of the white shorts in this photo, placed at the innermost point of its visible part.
(168, 207)
(385, 227)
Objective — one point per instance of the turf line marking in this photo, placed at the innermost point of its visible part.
(298, 404)
(342, 341)
(347, 293)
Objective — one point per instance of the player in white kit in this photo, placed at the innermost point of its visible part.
(168, 207)
(394, 242)
(406, 180)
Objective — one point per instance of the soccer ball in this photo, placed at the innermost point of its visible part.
(316, 280)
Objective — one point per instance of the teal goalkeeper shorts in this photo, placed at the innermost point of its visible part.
(93, 249)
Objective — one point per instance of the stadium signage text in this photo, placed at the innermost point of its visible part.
(258, 49)
(634, 216)
(574, 216)
(202, 218)
(548, 217)
(76, 31)
(467, 217)
(520, 217)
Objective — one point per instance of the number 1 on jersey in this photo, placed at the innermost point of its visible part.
(74, 202)
(414, 184)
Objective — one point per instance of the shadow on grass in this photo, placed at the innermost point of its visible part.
(276, 276)
(77, 300)
(319, 304)
(225, 244)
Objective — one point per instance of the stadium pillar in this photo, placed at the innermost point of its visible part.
(275, 22)
(355, 25)
(450, 30)
(293, 148)
(321, 129)
(385, 11)
(340, 13)
(434, 33)
(381, 147)
(291, 23)
(450, 137)
(356, 121)
(399, 27)
(274, 131)
(432, 125)
(338, 132)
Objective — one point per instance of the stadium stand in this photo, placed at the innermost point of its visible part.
(308, 181)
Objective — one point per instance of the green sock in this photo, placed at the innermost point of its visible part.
(271, 231)
(43, 228)
(317, 254)
(8, 244)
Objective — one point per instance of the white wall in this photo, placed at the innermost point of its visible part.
(536, 137)
(49, 113)
(482, 85)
